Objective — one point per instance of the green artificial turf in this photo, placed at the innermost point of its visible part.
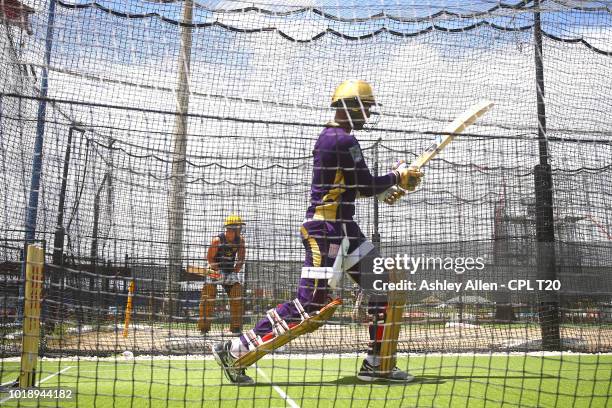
(441, 380)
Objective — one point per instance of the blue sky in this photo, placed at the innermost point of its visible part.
(557, 20)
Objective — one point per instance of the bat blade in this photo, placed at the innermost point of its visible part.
(457, 126)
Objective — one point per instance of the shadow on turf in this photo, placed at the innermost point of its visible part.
(423, 379)
(346, 381)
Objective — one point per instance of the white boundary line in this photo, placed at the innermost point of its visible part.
(278, 389)
(63, 370)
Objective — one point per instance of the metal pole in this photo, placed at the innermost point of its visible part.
(93, 254)
(53, 291)
(539, 67)
(58, 241)
(32, 209)
(545, 228)
(177, 196)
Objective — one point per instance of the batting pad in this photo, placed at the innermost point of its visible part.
(307, 325)
(393, 324)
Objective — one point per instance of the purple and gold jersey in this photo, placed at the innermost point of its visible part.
(226, 253)
(339, 173)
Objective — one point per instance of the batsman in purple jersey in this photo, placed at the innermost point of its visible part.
(340, 176)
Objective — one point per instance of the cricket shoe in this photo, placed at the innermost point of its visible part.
(371, 373)
(221, 352)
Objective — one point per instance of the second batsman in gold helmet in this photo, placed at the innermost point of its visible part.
(226, 256)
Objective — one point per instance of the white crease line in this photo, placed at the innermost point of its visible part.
(280, 392)
(63, 370)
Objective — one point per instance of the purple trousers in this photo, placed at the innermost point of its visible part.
(321, 240)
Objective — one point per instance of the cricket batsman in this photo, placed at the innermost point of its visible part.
(334, 245)
(225, 256)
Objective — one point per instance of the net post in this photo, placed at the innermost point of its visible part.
(179, 141)
(128, 309)
(548, 312)
(31, 315)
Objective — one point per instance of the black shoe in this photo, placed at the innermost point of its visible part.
(371, 373)
(221, 352)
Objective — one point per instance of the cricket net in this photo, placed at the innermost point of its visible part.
(130, 130)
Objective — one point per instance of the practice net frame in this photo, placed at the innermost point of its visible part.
(130, 130)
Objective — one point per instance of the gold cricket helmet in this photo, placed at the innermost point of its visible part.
(233, 221)
(352, 91)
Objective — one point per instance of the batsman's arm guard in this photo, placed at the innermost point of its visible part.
(283, 332)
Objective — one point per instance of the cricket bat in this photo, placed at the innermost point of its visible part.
(457, 126)
(198, 270)
(465, 119)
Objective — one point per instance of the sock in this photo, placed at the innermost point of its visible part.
(238, 349)
(373, 360)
